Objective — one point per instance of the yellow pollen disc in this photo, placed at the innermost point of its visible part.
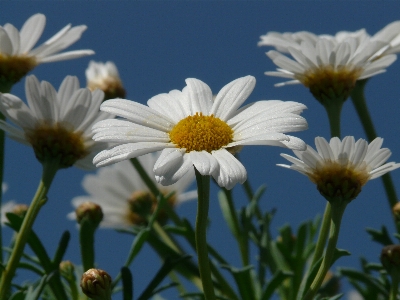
(328, 82)
(57, 143)
(335, 180)
(198, 133)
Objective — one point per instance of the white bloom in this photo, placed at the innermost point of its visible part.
(105, 76)
(20, 43)
(342, 62)
(115, 187)
(56, 124)
(193, 130)
(389, 34)
(341, 168)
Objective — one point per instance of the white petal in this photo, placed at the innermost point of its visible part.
(5, 43)
(138, 113)
(176, 171)
(66, 56)
(230, 171)
(126, 151)
(232, 96)
(200, 96)
(204, 162)
(15, 39)
(324, 149)
(31, 32)
(17, 111)
(168, 105)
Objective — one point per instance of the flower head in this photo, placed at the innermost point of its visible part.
(124, 197)
(341, 168)
(330, 66)
(56, 124)
(193, 130)
(16, 55)
(105, 76)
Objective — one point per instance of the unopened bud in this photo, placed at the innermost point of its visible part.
(390, 259)
(89, 211)
(67, 270)
(396, 211)
(96, 284)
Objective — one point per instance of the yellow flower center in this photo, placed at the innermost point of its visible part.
(57, 143)
(336, 181)
(142, 205)
(13, 68)
(329, 83)
(198, 133)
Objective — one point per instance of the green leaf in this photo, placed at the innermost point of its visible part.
(381, 237)
(367, 279)
(228, 213)
(244, 281)
(34, 294)
(167, 267)
(275, 283)
(31, 267)
(338, 254)
(62, 247)
(127, 283)
(337, 297)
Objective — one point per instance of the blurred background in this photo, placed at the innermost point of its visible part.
(156, 45)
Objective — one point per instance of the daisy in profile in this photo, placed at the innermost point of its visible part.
(56, 124)
(341, 168)
(105, 76)
(330, 68)
(17, 56)
(193, 130)
(123, 196)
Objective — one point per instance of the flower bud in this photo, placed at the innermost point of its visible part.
(96, 284)
(396, 211)
(89, 211)
(67, 270)
(390, 259)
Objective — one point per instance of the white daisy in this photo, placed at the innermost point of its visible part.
(118, 189)
(193, 130)
(341, 168)
(56, 124)
(17, 56)
(330, 68)
(105, 76)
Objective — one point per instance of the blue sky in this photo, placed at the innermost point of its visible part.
(156, 45)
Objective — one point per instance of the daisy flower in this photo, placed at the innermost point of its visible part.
(193, 130)
(341, 168)
(330, 68)
(123, 196)
(105, 76)
(56, 124)
(17, 57)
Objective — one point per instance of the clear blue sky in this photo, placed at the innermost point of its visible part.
(156, 45)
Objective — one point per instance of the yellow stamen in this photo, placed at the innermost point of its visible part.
(198, 133)
(57, 143)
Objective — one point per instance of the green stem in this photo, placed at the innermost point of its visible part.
(203, 189)
(86, 241)
(3, 89)
(241, 238)
(337, 210)
(333, 109)
(394, 288)
(360, 104)
(323, 235)
(49, 171)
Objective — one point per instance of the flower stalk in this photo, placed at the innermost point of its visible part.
(337, 210)
(203, 188)
(360, 104)
(49, 171)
